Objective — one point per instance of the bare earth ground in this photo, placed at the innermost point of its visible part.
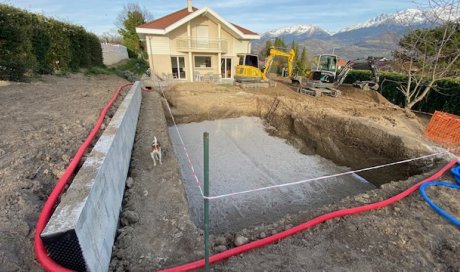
(155, 229)
(407, 236)
(44, 122)
(42, 125)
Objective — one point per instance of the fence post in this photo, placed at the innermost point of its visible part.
(206, 201)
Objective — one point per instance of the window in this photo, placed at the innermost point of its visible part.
(252, 60)
(178, 67)
(203, 62)
(202, 31)
(249, 60)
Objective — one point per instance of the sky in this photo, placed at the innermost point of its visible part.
(99, 16)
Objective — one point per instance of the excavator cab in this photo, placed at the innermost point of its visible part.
(247, 69)
(324, 68)
(249, 60)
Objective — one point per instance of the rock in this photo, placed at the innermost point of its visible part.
(130, 182)
(240, 240)
(220, 241)
(178, 235)
(130, 217)
(262, 235)
(58, 172)
(124, 240)
(288, 227)
(65, 158)
(220, 248)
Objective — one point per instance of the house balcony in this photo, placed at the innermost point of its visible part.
(202, 45)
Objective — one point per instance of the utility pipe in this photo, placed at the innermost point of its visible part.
(315, 221)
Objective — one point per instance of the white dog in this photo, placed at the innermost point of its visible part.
(156, 151)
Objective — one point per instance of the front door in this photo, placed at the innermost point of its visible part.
(226, 67)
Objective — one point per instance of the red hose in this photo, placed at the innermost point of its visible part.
(315, 221)
(40, 250)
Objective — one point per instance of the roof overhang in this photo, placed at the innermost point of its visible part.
(204, 11)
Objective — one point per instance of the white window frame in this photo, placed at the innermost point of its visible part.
(226, 58)
(178, 68)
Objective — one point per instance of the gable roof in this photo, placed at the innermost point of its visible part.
(168, 23)
(167, 20)
(244, 30)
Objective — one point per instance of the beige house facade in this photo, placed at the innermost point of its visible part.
(194, 44)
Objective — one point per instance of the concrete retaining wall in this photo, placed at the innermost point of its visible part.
(81, 232)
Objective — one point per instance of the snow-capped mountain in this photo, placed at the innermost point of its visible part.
(377, 36)
(403, 18)
(297, 32)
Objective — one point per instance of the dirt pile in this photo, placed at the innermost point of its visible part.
(43, 123)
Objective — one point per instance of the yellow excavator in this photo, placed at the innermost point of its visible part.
(248, 68)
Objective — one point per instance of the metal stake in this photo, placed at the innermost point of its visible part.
(206, 201)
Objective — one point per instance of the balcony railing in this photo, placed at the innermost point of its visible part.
(202, 45)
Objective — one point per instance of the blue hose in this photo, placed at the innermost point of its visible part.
(456, 173)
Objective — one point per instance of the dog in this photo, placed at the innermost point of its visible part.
(155, 153)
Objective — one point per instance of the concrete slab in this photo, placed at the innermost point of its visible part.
(243, 156)
(81, 232)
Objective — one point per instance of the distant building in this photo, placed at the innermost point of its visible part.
(113, 53)
(341, 63)
(192, 43)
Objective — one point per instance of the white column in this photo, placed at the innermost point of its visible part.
(219, 55)
(149, 54)
(190, 60)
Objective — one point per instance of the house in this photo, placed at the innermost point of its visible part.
(341, 63)
(191, 44)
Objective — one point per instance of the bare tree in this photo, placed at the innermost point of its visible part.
(108, 37)
(132, 8)
(132, 16)
(430, 54)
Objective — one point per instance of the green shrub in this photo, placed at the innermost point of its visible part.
(31, 43)
(15, 46)
(137, 66)
(98, 70)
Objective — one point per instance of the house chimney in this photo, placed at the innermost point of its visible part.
(189, 6)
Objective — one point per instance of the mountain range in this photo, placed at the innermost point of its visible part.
(378, 36)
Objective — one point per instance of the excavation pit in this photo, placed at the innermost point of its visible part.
(243, 156)
(354, 131)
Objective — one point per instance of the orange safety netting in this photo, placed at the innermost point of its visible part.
(444, 128)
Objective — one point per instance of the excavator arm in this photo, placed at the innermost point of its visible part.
(366, 85)
(274, 53)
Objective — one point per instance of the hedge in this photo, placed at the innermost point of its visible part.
(447, 99)
(35, 44)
